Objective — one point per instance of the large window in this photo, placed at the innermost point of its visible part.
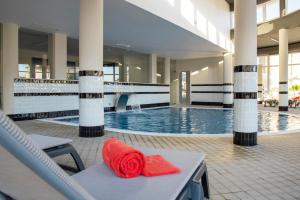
(24, 71)
(271, 74)
(292, 5)
(265, 12)
(73, 71)
(111, 72)
(272, 10)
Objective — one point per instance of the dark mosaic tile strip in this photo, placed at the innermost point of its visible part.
(228, 84)
(227, 105)
(283, 92)
(245, 139)
(42, 115)
(212, 92)
(207, 103)
(207, 84)
(245, 68)
(245, 95)
(91, 95)
(46, 94)
(283, 108)
(90, 73)
(91, 131)
(23, 80)
(283, 82)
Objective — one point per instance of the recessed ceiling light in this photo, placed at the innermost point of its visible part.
(138, 68)
(195, 72)
(158, 75)
(204, 69)
(121, 45)
(274, 40)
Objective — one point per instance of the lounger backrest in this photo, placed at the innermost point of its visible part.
(42, 176)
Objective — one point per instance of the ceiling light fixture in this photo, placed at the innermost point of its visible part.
(158, 75)
(221, 62)
(195, 72)
(204, 69)
(274, 40)
(138, 68)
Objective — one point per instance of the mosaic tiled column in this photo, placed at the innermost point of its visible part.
(260, 85)
(228, 81)
(245, 74)
(283, 70)
(91, 112)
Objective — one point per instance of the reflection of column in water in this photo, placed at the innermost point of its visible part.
(283, 122)
(185, 121)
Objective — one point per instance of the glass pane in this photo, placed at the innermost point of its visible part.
(274, 79)
(108, 70)
(38, 68)
(48, 68)
(274, 60)
(116, 70)
(296, 58)
(272, 10)
(24, 67)
(292, 5)
(38, 75)
(260, 14)
(71, 70)
(232, 19)
(117, 78)
(24, 75)
(109, 78)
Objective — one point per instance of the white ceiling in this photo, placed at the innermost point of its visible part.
(123, 23)
(266, 41)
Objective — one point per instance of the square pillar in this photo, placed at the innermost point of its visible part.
(167, 72)
(9, 64)
(58, 55)
(152, 68)
(228, 81)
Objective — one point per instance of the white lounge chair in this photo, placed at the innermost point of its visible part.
(55, 146)
(26, 172)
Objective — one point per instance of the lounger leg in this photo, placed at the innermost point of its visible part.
(205, 182)
(67, 149)
(77, 159)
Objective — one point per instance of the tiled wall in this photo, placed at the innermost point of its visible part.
(207, 94)
(39, 96)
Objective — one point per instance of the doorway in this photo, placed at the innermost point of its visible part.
(184, 88)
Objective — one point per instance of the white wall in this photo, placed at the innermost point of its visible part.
(36, 104)
(210, 19)
(209, 81)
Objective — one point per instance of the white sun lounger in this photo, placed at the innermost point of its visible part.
(55, 146)
(26, 172)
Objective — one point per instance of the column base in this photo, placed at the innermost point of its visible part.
(91, 131)
(227, 105)
(245, 139)
(283, 108)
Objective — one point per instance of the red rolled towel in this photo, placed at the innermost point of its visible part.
(124, 160)
(157, 166)
(128, 162)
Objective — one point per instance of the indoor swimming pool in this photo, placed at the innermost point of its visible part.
(173, 120)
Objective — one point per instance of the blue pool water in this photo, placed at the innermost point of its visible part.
(190, 121)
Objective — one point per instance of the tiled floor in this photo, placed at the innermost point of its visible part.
(270, 170)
